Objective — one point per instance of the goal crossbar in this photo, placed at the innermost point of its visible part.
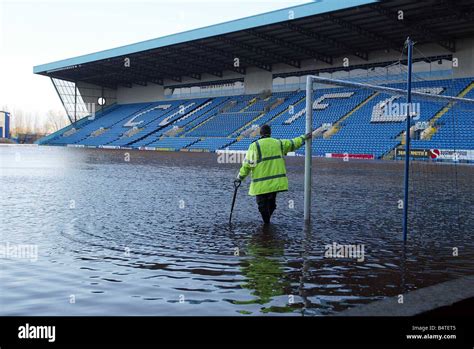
(385, 89)
(311, 79)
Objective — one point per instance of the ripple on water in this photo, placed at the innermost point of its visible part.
(151, 237)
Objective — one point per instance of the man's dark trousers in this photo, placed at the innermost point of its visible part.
(266, 205)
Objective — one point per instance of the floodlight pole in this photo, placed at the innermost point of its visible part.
(308, 150)
(409, 43)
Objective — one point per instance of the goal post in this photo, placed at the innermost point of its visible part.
(408, 94)
(308, 150)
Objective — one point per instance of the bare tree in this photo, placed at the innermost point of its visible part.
(26, 122)
(56, 120)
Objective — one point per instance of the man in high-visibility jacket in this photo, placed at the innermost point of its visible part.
(264, 160)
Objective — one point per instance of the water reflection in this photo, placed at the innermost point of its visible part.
(263, 269)
(171, 210)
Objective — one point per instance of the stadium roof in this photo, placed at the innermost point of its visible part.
(320, 30)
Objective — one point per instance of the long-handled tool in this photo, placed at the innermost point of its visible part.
(236, 186)
(237, 183)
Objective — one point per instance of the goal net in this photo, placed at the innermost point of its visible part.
(360, 116)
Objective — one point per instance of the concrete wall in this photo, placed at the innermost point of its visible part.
(137, 93)
(465, 55)
(153, 92)
(91, 93)
(257, 80)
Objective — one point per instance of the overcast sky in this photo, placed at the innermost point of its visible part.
(37, 32)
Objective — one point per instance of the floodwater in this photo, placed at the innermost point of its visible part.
(115, 232)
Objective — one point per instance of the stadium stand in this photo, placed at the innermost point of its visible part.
(210, 88)
(173, 143)
(78, 132)
(351, 121)
(212, 144)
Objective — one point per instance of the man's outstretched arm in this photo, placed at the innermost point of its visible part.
(290, 145)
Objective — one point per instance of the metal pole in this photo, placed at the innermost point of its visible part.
(62, 101)
(407, 141)
(308, 150)
(75, 101)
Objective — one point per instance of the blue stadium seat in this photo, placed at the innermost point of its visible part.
(210, 124)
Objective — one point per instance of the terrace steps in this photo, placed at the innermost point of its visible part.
(249, 124)
(252, 102)
(285, 110)
(200, 124)
(432, 129)
(337, 125)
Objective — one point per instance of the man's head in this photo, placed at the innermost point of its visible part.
(265, 131)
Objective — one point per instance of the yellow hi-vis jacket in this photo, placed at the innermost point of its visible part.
(264, 160)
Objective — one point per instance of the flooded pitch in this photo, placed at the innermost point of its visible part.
(101, 232)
